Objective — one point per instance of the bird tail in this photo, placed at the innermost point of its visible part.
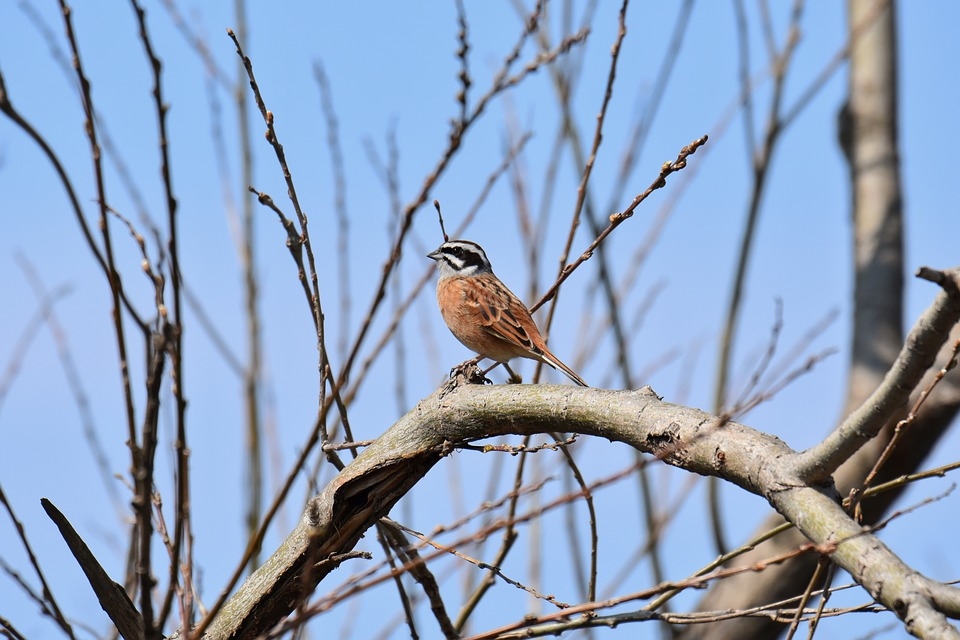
(554, 361)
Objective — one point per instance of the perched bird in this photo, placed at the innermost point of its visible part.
(483, 313)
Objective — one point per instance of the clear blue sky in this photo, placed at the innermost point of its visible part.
(392, 68)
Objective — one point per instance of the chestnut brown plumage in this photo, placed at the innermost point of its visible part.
(483, 314)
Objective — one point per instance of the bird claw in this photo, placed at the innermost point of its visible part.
(468, 373)
(464, 373)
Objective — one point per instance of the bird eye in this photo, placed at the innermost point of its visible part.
(458, 251)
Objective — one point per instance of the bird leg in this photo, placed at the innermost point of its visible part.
(514, 378)
(468, 372)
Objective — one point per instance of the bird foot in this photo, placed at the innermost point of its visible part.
(512, 377)
(465, 373)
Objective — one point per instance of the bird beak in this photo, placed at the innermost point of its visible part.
(434, 255)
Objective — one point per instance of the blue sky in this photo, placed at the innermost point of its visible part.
(392, 69)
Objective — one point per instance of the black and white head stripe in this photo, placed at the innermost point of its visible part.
(461, 257)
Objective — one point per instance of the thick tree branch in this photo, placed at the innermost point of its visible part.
(113, 599)
(930, 332)
(688, 438)
(869, 138)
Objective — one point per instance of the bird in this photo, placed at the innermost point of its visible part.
(483, 314)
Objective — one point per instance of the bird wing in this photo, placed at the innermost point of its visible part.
(502, 314)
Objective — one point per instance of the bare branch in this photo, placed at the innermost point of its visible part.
(111, 595)
(930, 332)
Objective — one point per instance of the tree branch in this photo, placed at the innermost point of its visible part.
(680, 436)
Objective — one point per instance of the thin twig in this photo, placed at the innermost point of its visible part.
(142, 462)
(174, 339)
(760, 159)
(903, 426)
(48, 602)
(588, 167)
(591, 590)
(339, 201)
(75, 380)
(501, 82)
(429, 271)
(617, 219)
